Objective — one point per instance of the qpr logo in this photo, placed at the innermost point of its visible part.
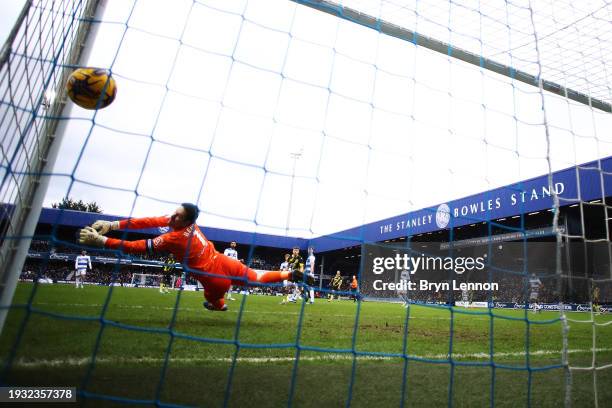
(163, 230)
(442, 216)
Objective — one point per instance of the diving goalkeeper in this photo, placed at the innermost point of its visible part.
(186, 241)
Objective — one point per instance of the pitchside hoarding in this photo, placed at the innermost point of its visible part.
(515, 272)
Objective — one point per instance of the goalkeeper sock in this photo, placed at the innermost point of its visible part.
(268, 277)
(274, 276)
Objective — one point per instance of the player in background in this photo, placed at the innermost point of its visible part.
(81, 263)
(284, 266)
(232, 253)
(167, 272)
(404, 294)
(292, 289)
(465, 298)
(535, 284)
(354, 287)
(335, 285)
(595, 301)
(309, 271)
(293, 293)
(295, 264)
(186, 241)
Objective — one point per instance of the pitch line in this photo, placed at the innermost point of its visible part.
(327, 356)
(285, 311)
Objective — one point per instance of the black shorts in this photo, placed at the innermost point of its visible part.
(167, 279)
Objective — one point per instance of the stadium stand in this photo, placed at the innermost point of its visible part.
(479, 224)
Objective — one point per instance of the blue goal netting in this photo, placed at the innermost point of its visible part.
(373, 131)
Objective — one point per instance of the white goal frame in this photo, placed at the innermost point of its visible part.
(143, 276)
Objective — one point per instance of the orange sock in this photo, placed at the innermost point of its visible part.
(219, 303)
(215, 298)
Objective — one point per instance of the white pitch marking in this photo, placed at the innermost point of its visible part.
(326, 356)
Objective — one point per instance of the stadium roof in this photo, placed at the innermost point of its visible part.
(586, 182)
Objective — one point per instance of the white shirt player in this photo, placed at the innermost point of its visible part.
(284, 266)
(309, 270)
(403, 293)
(309, 266)
(231, 252)
(465, 295)
(534, 286)
(81, 263)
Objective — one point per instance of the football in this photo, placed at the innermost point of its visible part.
(91, 88)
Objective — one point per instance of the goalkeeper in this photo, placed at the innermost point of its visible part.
(189, 246)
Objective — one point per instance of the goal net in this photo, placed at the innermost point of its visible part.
(369, 129)
(146, 280)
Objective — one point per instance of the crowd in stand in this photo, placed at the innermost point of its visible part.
(258, 263)
(56, 248)
(46, 247)
(57, 270)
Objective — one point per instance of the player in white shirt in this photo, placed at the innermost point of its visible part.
(293, 294)
(292, 290)
(81, 263)
(232, 253)
(404, 294)
(465, 298)
(309, 270)
(284, 266)
(535, 284)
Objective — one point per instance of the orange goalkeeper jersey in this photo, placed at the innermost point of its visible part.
(189, 245)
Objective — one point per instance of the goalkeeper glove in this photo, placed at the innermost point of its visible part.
(89, 236)
(103, 227)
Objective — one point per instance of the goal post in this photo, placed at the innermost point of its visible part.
(146, 279)
(415, 137)
(30, 125)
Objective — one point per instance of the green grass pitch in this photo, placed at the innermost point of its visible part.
(64, 325)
